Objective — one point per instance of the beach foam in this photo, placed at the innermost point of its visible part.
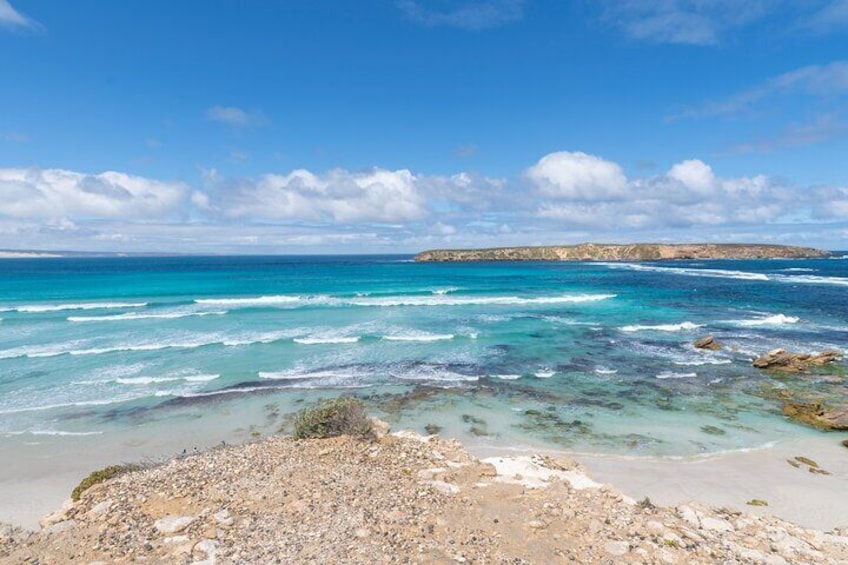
(774, 320)
(673, 375)
(41, 308)
(683, 326)
(141, 316)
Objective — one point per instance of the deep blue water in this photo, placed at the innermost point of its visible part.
(584, 356)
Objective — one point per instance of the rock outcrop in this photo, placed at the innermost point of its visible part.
(782, 360)
(817, 415)
(402, 499)
(707, 342)
(628, 252)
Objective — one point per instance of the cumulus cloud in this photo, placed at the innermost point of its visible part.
(233, 116)
(58, 193)
(564, 197)
(688, 194)
(463, 14)
(337, 196)
(13, 19)
(578, 176)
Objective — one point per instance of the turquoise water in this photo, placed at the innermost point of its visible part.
(138, 355)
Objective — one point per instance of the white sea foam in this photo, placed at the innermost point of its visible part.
(704, 361)
(663, 327)
(715, 273)
(605, 371)
(40, 308)
(62, 405)
(673, 375)
(346, 373)
(319, 340)
(799, 270)
(77, 349)
(253, 302)
(451, 300)
(141, 316)
(431, 373)
(506, 377)
(425, 337)
(774, 320)
(812, 279)
(544, 374)
(434, 299)
(167, 379)
(50, 433)
(741, 275)
(442, 291)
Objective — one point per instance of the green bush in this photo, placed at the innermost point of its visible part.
(331, 418)
(99, 476)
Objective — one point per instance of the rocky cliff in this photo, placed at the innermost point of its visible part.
(628, 252)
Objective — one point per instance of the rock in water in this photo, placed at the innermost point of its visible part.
(814, 414)
(707, 342)
(782, 360)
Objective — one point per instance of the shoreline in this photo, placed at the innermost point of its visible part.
(727, 479)
(402, 496)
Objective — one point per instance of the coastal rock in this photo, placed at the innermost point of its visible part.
(627, 252)
(173, 524)
(707, 342)
(815, 414)
(331, 501)
(782, 360)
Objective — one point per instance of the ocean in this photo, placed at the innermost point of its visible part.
(141, 357)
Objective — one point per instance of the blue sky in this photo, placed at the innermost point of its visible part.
(296, 126)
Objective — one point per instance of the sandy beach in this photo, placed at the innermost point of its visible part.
(408, 498)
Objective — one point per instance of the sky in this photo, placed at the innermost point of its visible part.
(393, 126)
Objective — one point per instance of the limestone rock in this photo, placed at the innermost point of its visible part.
(707, 342)
(626, 252)
(815, 414)
(173, 524)
(782, 360)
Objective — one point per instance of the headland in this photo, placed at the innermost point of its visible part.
(623, 252)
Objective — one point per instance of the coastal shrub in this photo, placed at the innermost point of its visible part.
(331, 418)
(101, 475)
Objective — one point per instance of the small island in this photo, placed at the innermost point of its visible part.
(623, 252)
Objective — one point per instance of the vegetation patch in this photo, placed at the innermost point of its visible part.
(100, 476)
(332, 418)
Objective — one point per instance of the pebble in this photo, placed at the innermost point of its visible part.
(280, 500)
(172, 524)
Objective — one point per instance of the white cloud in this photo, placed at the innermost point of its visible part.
(693, 22)
(818, 130)
(694, 174)
(464, 14)
(236, 116)
(833, 16)
(817, 81)
(689, 194)
(565, 197)
(578, 176)
(337, 196)
(11, 18)
(58, 193)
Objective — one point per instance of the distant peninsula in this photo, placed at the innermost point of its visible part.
(623, 252)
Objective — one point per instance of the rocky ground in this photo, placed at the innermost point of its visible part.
(401, 499)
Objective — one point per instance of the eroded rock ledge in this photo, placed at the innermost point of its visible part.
(627, 252)
(401, 499)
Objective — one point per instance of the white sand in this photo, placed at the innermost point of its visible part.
(730, 480)
(727, 480)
